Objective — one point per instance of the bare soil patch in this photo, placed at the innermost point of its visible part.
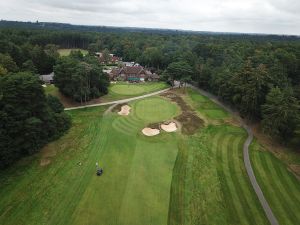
(154, 126)
(188, 119)
(45, 162)
(47, 154)
(118, 107)
(295, 169)
(190, 122)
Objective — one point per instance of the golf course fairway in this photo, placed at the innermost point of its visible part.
(193, 176)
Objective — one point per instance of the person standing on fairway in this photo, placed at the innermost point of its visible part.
(97, 165)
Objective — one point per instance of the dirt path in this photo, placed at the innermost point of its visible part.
(268, 211)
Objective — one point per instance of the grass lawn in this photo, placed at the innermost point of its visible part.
(51, 90)
(171, 178)
(281, 187)
(134, 188)
(67, 51)
(206, 107)
(121, 90)
(210, 184)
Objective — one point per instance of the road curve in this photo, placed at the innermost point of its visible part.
(119, 101)
(268, 211)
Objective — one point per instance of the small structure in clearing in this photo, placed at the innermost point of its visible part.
(47, 78)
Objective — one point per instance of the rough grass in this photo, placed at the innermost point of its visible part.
(190, 122)
(33, 194)
(280, 186)
(206, 107)
(67, 51)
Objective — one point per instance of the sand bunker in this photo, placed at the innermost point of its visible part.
(150, 132)
(171, 127)
(125, 110)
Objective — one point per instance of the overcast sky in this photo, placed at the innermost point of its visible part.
(251, 16)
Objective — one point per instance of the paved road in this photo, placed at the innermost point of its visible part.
(268, 211)
(120, 101)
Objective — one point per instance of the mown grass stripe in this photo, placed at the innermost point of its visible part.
(282, 173)
(98, 145)
(176, 215)
(282, 191)
(269, 192)
(288, 181)
(237, 203)
(129, 123)
(252, 206)
(54, 173)
(215, 142)
(237, 177)
(232, 215)
(122, 128)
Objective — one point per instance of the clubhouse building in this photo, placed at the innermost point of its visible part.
(133, 74)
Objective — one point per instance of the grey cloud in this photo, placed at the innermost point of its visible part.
(268, 16)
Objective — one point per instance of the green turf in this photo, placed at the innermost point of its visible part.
(127, 89)
(169, 179)
(206, 107)
(280, 186)
(148, 109)
(51, 90)
(210, 184)
(67, 51)
(123, 90)
(118, 91)
(137, 170)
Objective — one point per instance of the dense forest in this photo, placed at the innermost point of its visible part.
(257, 74)
(80, 78)
(28, 118)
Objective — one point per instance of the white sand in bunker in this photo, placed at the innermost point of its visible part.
(125, 110)
(150, 132)
(170, 127)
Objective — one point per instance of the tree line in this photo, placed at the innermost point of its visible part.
(258, 75)
(80, 78)
(28, 118)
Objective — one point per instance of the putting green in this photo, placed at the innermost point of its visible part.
(156, 109)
